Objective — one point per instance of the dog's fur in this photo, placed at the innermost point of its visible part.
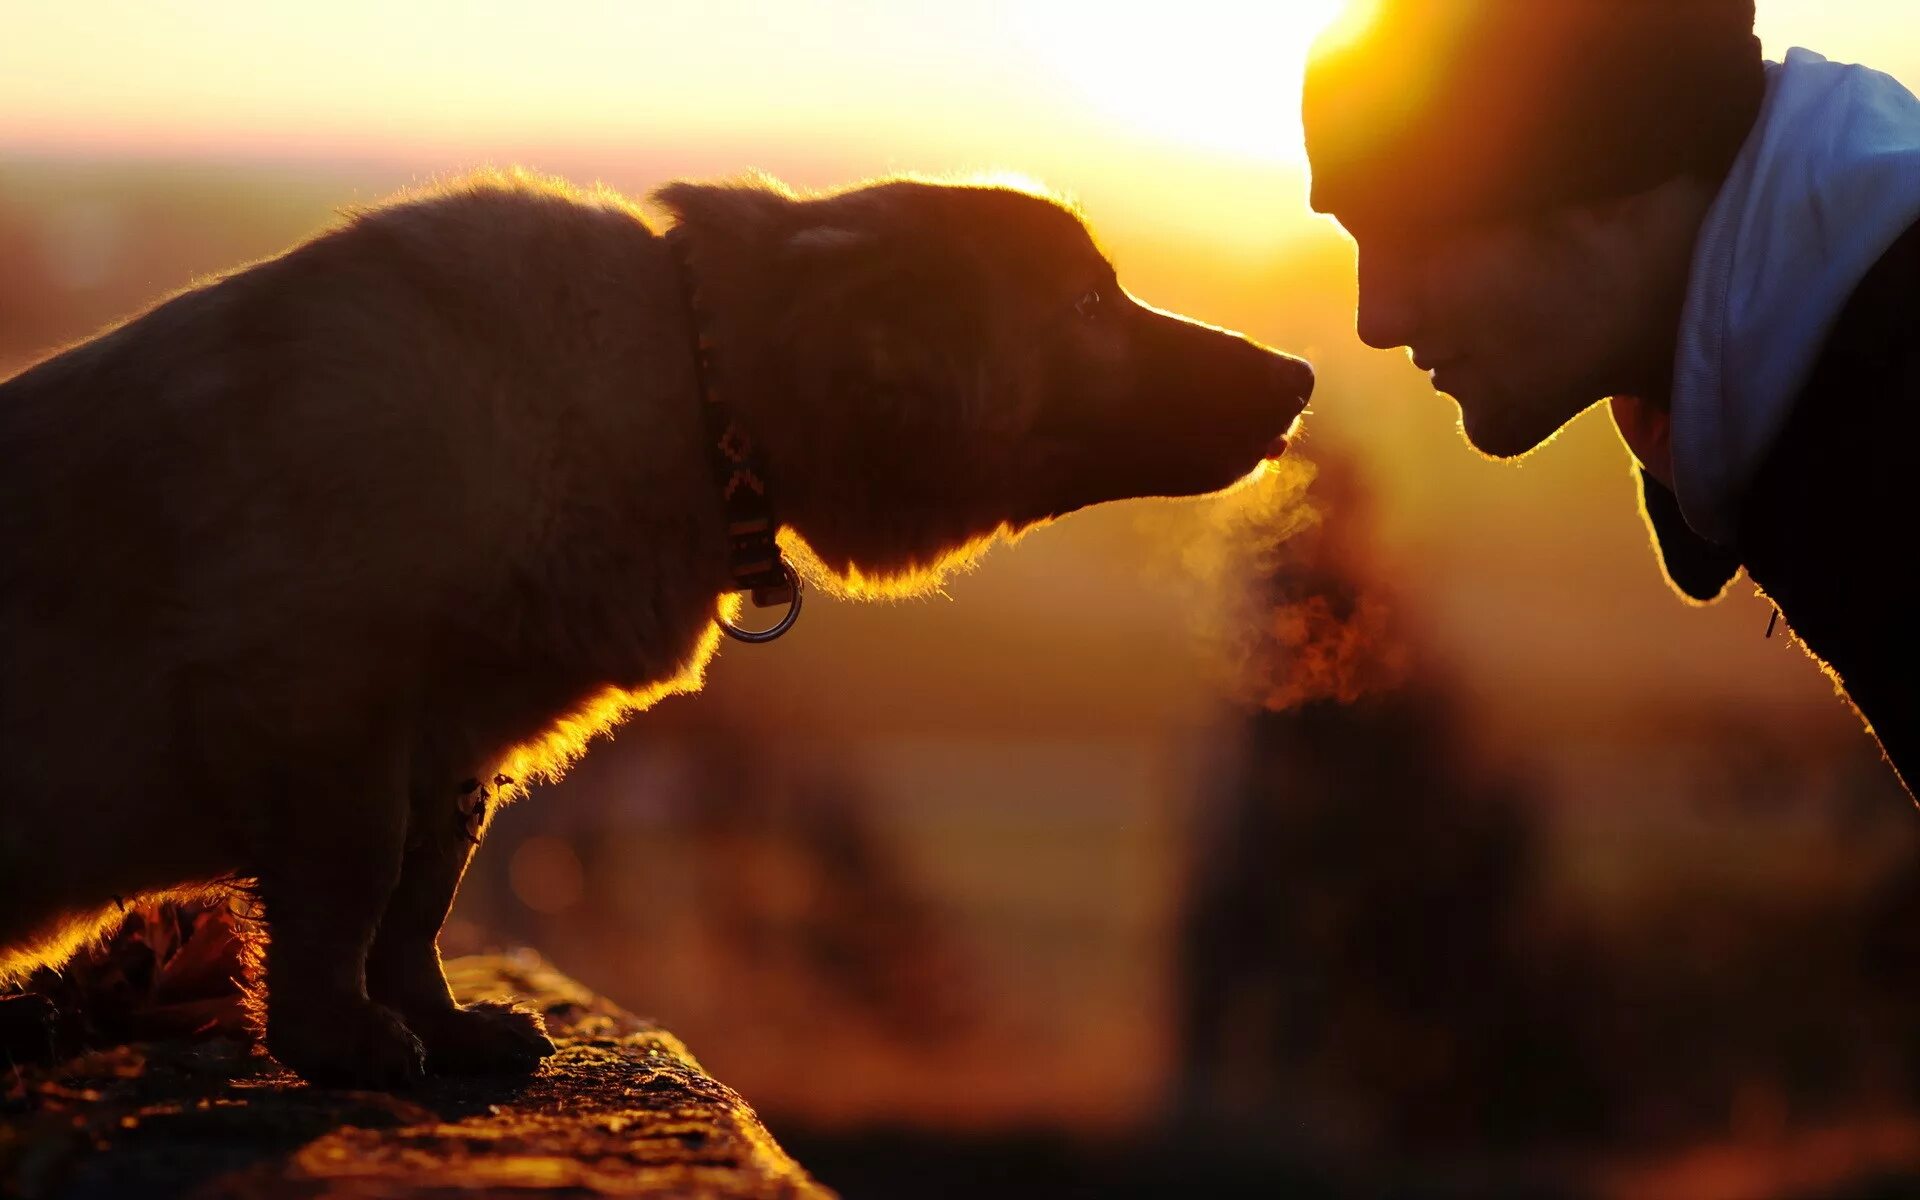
(299, 567)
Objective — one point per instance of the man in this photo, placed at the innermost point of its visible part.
(1562, 202)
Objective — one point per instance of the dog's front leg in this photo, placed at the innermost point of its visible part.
(327, 863)
(403, 969)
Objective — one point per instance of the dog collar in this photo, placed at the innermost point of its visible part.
(754, 559)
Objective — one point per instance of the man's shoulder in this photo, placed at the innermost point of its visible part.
(1864, 391)
(1844, 458)
(1883, 306)
(1830, 503)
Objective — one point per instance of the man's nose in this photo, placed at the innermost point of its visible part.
(1385, 317)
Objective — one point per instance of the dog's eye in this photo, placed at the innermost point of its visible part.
(1088, 306)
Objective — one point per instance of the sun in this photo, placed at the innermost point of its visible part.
(1216, 75)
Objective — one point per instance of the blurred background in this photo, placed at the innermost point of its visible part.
(1387, 828)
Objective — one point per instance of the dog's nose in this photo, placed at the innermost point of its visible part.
(1294, 376)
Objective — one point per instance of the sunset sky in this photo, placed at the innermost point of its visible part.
(1163, 120)
(1079, 91)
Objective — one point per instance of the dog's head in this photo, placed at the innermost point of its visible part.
(928, 365)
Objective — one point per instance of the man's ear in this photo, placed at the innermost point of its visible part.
(1647, 208)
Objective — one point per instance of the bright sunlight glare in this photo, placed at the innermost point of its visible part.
(1216, 75)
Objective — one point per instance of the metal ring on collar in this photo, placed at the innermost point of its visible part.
(757, 637)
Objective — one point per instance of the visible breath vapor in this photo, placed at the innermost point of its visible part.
(1281, 610)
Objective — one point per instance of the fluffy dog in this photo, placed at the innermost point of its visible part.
(302, 566)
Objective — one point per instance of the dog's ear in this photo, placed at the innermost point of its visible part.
(891, 324)
(748, 210)
(906, 338)
(733, 233)
(827, 239)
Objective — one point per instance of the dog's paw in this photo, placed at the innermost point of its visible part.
(363, 1045)
(485, 1039)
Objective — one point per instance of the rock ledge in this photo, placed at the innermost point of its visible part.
(622, 1110)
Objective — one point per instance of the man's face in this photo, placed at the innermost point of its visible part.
(1520, 321)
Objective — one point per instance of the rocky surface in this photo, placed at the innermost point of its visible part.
(622, 1110)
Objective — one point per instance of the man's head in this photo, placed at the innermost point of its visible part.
(1525, 179)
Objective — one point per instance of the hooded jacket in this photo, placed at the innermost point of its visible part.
(1796, 401)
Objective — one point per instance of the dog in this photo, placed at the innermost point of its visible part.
(305, 569)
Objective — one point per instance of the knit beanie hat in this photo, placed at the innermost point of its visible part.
(1444, 110)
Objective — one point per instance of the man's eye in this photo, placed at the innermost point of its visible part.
(1088, 306)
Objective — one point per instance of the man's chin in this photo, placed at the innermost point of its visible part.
(1500, 433)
